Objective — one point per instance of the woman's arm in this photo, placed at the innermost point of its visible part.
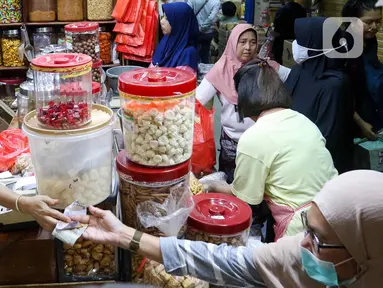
(39, 207)
(216, 264)
(205, 92)
(282, 71)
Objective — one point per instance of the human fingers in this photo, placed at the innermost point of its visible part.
(84, 219)
(57, 215)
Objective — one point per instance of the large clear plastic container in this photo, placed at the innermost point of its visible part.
(219, 218)
(83, 38)
(99, 9)
(76, 164)
(42, 38)
(158, 115)
(42, 10)
(70, 10)
(63, 90)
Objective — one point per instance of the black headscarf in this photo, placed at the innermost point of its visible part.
(320, 90)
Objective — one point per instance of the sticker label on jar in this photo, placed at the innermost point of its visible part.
(97, 48)
(69, 42)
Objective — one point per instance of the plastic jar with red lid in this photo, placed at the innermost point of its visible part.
(96, 92)
(83, 37)
(140, 183)
(219, 218)
(158, 115)
(63, 90)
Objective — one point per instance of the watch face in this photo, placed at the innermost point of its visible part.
(134, 246)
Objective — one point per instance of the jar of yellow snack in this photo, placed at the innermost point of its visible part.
(10, 43)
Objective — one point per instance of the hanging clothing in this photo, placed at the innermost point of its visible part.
(284, 26)
(320, 89)
(179, 48)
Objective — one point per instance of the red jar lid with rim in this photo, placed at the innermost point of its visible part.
(11, 81)
(97, 64)
(220, 214)
(157, 81)
(81, 27)
(96, 87)
(137, 173)
(61, 60)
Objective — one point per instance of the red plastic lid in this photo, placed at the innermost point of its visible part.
(81, 27)
(219, 214)
(61, 60)
(97, 64)
(12, 81)
(96, 87)
(138, 173)
(157, 82)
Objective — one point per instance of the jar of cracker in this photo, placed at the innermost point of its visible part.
(219, 218)
(10, 43)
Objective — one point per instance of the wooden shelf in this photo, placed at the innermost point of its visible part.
(11, 24)
(3, 68)
(65, 23)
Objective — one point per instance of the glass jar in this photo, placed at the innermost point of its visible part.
(97, 71)
(42, 10)
(61, 37)
(96, 91)
(25, 98)
(73, 165)
(219, 218)
(70, 10)
(105, 46)
(42, 38)
(158, 115)
(63, 90)
(139, 184)
(8, 88)
(11, 11)
(10, 43)
(100, 9)
(82, 38)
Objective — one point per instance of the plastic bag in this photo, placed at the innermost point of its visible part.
(215, 182)
(12, 144)
(170, 216)
(120, 9)
(203, 157)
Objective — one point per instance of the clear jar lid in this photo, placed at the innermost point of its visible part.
(13, 32)
(44, 30)
(220, 214)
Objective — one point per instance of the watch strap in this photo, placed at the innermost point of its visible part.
(135, 243)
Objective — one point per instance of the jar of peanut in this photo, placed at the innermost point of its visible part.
(10, 43)
(219, 218)
(105, 45)
(100, 9)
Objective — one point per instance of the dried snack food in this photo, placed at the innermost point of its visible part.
(10, 43)
(11, 11)
(99, 9)
(87, 258)
(195, 186)
(70, 10)
(105, 46)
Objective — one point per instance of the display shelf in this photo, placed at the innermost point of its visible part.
(10, 24)
(57, 23)
(3, 68)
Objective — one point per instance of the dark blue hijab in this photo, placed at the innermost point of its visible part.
(179, 48)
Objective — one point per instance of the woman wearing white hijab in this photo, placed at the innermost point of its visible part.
(342, 246)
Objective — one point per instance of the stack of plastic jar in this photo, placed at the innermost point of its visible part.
(158, 115)
(83, 38)
(10, 43)
(63, 90)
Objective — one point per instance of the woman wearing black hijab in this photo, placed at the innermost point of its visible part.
(319, 86)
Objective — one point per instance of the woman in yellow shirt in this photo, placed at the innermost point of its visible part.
(282, 158)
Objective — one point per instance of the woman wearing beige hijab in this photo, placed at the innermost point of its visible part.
(342, 246)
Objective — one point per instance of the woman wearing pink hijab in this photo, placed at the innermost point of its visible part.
(241, 48)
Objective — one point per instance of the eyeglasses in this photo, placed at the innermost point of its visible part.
(317, 244)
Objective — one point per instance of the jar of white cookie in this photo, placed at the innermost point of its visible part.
(158, 115)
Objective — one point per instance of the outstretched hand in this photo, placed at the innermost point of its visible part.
(103, 226)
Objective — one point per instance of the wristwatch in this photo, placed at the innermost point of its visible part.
(135, 243)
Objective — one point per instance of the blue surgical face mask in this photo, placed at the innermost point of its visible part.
(322, 271)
